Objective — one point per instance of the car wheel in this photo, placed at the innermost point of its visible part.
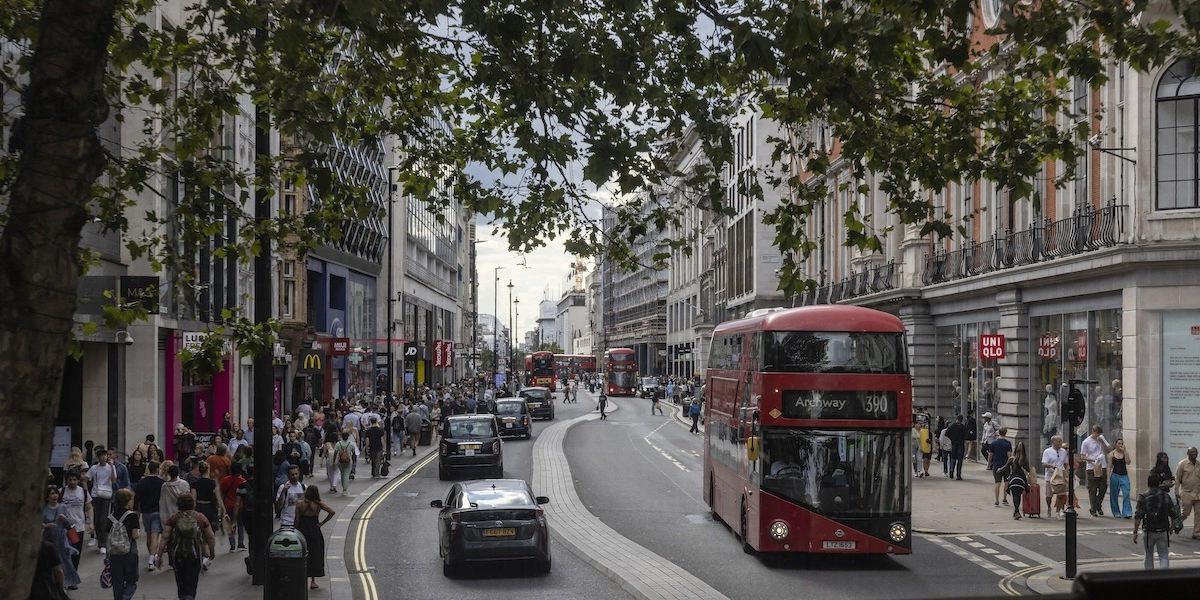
(442, 474)
(448, 568)
(498, 472)
(543, 566)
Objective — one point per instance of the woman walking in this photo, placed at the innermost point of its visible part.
(54, 530)
(1118, 480)
(124, 567)
(309, 523)
(1016, 470)
(205, 491)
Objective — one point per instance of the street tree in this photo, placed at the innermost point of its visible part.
(551, 347)
(495, 105)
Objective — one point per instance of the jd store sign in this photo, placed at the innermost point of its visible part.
(312, 362)
(415, 352)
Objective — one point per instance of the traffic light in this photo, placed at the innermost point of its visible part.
(1075, 408)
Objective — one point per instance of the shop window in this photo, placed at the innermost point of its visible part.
(1083, 346)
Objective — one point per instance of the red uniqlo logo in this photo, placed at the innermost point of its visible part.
(991, 347)
(1195, 329)
(1048, 346)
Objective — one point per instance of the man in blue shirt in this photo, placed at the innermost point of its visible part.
(999, 450)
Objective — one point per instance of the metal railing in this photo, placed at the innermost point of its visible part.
(1088, 229)
(865, 281)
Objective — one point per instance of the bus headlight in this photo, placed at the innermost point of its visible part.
(779, 530)
(898, 532)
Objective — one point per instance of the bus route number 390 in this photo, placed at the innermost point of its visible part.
(875, 403)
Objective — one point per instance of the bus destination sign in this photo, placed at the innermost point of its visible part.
(819, 404)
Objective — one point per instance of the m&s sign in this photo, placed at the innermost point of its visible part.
(991, 347)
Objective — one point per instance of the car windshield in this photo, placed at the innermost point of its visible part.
(496, 497)
(649, 381)
(536, 394)
(472, 428)
(839, 473)
(509, 408)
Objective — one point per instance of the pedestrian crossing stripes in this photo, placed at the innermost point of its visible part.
(978, 560)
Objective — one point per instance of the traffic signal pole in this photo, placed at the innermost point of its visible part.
(1074, 410)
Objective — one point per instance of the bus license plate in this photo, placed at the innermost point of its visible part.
(838, 545)
(502, 532)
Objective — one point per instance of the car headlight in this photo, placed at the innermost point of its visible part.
(779, 530)
(898, 532)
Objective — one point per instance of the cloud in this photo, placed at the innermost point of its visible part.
(539, 275)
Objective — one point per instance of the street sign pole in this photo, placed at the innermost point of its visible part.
(1074, 411)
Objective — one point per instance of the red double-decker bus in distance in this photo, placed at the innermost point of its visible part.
(539, 369)
(571, 366)
(807, 443)
(620, 372)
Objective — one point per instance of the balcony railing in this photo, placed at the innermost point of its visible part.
(866, 281)
(1087, 230)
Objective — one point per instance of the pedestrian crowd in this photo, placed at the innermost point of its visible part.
(179, 508)
(1102, 468)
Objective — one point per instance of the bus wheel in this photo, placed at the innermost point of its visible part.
(746, 547)
(712, 501)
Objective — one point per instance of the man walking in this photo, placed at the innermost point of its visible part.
(694, 413)
(374, 435)
(989, 436)
(1155, 510)
(1187, 490)
(1095, 448)
(103, 479)
(146, 497)
(602, 403)
(412, 427)
(287, 496)
(189, 535)
(655, 396)
(1053, 458)
(998, 453)
(957, 432)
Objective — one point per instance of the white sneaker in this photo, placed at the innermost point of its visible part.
(91, 542)
(103, 551)
(150, 562)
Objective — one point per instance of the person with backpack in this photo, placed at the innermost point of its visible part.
(122, 546)
(694, 413)
(345, 453)
(189, 535)
(1155, 509)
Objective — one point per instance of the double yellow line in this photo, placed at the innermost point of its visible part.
(359, 560)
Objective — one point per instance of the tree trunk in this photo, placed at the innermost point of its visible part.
(60, 159)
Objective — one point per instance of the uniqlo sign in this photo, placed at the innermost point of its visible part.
(991, 347)
(437, 354)
(1048, 346)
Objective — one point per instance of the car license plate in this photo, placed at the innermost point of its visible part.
(469, 452)
(508, 424)
(838, 545)
(501, 532)
(535, 405)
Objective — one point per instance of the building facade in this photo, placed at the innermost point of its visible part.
(634, 303)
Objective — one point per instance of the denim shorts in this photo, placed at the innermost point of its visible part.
(152, 522)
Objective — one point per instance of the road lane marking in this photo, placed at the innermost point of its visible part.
(664, 452)
(360, 536)
(986, 564)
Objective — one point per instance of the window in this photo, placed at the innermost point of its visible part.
(1177, 104)
(991, 12)
(289, 204)
(1082, 113)
(289, 297)
(289, 268)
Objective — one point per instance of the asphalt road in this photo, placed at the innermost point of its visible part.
(641, 475)
(401, 544)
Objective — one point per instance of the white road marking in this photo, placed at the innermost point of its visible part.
(661, 451)
(990, 566)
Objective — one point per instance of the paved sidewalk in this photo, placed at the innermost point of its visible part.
(226, 577)
(943, 506)
(639, 571)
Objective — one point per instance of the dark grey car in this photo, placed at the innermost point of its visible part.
(540, 401)
(513, 418)
(492, 520)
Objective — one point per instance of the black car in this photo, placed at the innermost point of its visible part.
(513, 417)
(540, 401)
(470, 442)
(492, 520)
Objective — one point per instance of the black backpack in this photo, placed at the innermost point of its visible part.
(1157, 514)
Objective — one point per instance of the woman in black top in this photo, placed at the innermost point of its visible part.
(136, 466)
(1118, 480)
(1162, 468)
(1016, 470)
(205, 490)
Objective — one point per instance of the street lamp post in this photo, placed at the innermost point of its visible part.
(495, 324)
(508, 377)
(516, 324)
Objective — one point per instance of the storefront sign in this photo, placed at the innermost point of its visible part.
(143, 290)
(447, 354)
(339, 346)
(312, 362)
(1180, 381)
(1081, 345)
(437, 354)
(1048, 347)
(991, 346)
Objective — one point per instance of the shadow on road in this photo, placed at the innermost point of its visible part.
(825, 562)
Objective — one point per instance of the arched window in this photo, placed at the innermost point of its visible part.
(1178, 103)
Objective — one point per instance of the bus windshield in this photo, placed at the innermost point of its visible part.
(834, 352)
(861, 473)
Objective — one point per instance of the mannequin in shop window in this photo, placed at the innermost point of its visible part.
(1116, 402)
(1050, 414)
(1100, 407)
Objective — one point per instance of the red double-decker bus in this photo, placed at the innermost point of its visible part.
(572, 366)
(539, 369)
(808, 431)
(620, 372)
